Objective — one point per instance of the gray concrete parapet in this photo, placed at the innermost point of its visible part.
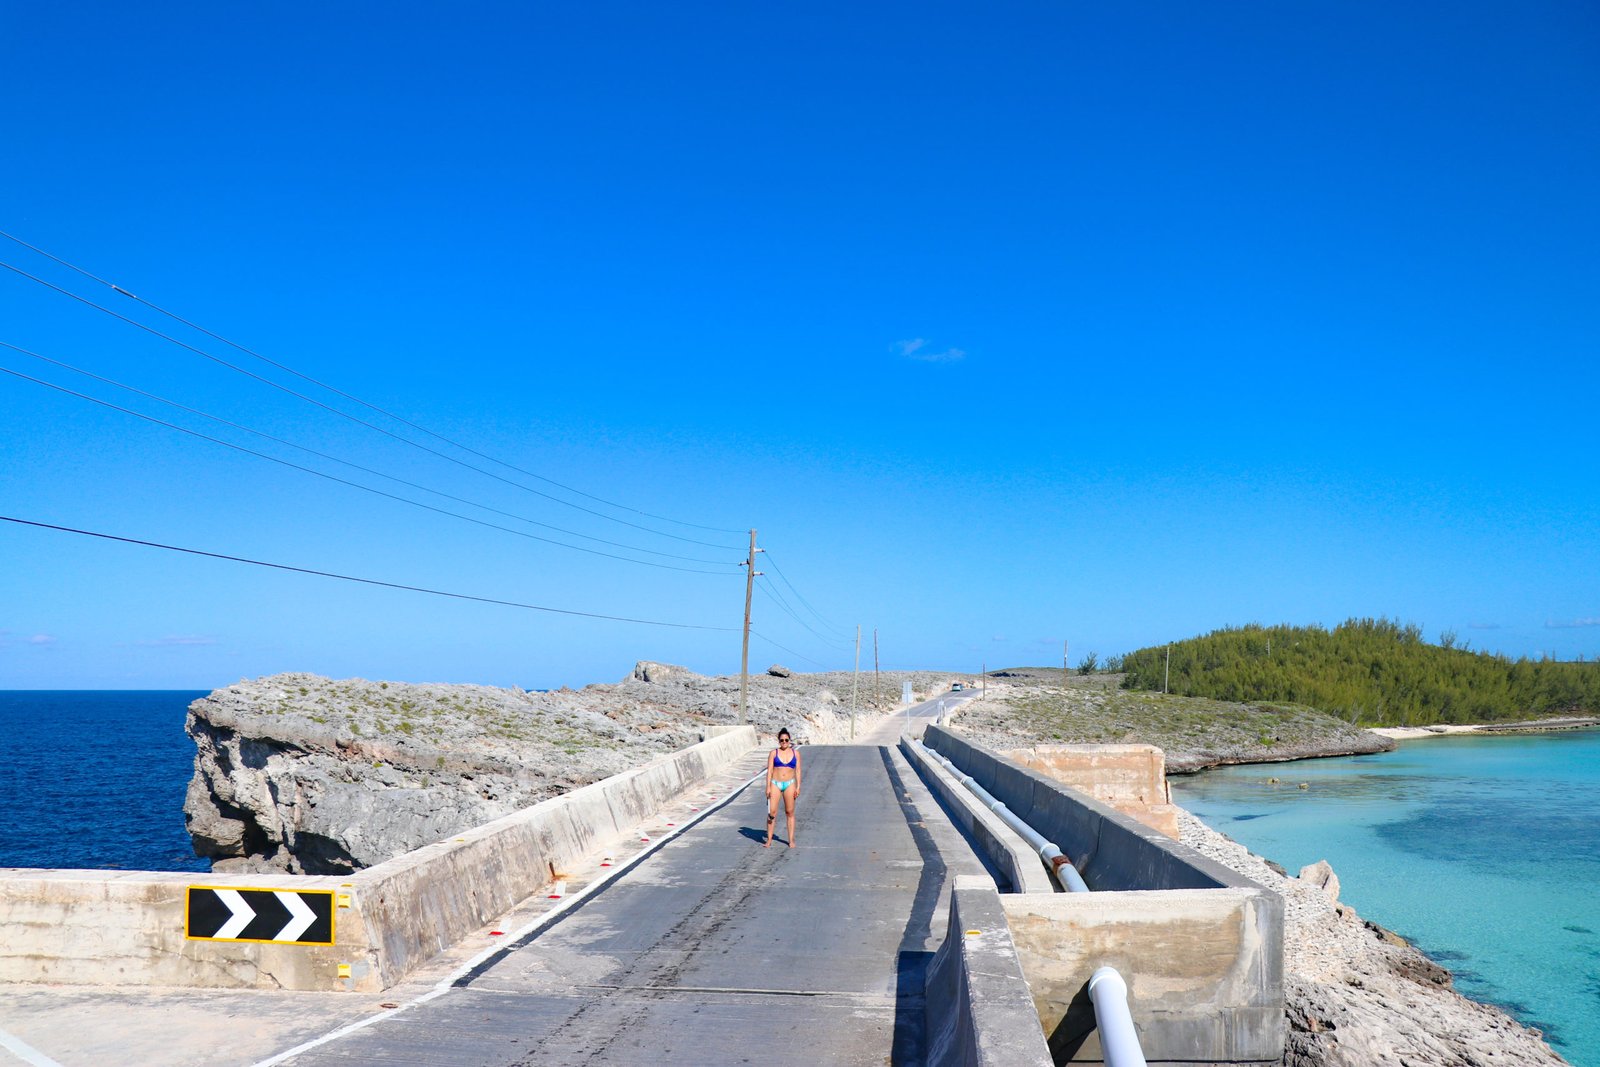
(128, 928)
(1200, 946)
(979, 1009)
(1018, 864)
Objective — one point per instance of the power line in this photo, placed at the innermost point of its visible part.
(781, 648)
(801, 598)
(772, 591)
(365, 581)
(372, 407)
(352, 418)
(344, 481)
(336, 459)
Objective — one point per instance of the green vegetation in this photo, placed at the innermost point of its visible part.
(1370, 671)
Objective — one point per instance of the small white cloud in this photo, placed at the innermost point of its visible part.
(1485, 626)
(917, 349)
(1570, 624)
(176, 642)
(42, 639)
(999, 637)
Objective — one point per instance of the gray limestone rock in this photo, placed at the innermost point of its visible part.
(309, 775)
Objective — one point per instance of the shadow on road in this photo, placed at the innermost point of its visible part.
(911, 964)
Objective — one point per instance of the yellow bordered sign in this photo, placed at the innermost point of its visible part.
(265, 916)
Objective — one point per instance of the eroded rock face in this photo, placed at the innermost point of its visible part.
(308, 775)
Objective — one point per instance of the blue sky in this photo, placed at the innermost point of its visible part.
(1005, 326)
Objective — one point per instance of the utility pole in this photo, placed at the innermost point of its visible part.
(983, 682)
(750, 574)
(1063, 667)
(854, 677)
(1166, 672)
(876, 698)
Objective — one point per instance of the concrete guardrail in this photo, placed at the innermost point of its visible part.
(83, 927)
(1018, 864)
(1203, 958)
(979, 1010)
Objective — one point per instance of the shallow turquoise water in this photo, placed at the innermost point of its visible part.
(1484, 852)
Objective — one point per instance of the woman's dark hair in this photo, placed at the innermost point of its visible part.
(785, 733)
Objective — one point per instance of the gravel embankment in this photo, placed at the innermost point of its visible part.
(1040, 707)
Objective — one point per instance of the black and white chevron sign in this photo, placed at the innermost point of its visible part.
(289, 916)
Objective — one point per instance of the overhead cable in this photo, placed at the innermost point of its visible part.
(365, 581)
(781, 648)
(345, 481)
(771, 590)
(343, 462)
(802, 599)
(348, 396)
(346, 415)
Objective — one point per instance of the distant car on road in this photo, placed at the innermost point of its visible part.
(957, 687)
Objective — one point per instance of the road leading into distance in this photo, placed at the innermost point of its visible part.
(716, 950)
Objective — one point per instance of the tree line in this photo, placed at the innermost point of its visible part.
(1374, 672)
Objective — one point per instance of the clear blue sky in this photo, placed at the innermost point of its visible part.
(1004, 324)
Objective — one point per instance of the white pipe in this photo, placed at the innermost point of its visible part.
(1054, 861)
(1119, 1042)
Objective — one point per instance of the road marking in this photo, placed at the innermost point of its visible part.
(445, 984)
(25, 1052)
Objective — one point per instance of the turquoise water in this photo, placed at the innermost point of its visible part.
(1484, 852)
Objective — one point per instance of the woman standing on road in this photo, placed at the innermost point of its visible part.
(783, 781)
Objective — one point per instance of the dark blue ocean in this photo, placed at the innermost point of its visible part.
(1484, 852)
(95, 779)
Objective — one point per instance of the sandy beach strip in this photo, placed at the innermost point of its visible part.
(1412, 733)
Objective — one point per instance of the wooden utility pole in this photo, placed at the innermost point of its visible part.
(983, 682)
(1063, 666)
(876, 697)
(750, 573)
(854, 678)
(1166, 672)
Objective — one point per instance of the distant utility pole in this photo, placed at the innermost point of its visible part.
(750, 574)
(1063, 666)
(1166, 672)
(983, 682)
(853, 679)
(875, 695)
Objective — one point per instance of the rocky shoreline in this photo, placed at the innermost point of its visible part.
(1358, 995)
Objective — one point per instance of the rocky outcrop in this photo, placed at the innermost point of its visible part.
(304, 774)
(1358, 995)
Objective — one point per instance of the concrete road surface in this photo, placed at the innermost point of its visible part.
(912, 720)
(716, 950)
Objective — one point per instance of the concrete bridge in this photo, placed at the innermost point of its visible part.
(686, 941)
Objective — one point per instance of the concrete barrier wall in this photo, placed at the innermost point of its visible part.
(1199, 946)
(978, 1008)
(1111, 850)
(1204, 969)
(100, 928)
(1019, 865)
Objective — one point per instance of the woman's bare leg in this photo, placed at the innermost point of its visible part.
(772, 814)
(788, 808)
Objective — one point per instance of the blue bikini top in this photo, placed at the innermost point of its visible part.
(777, 759)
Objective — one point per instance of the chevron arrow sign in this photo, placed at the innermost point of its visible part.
(273, 916)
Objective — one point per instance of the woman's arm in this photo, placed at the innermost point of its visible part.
(796, 773)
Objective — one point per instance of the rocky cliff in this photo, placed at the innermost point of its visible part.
(300, 773)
